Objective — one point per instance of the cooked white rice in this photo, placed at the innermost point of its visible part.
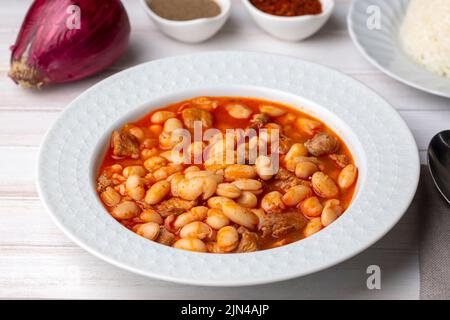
(425, 34)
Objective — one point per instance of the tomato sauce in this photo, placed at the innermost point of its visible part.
(289, 8)
(222, 121)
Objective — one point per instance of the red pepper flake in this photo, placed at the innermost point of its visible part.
(289, 8)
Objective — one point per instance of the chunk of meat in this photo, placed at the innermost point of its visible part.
(284, 180)
(259, 120)
(285, 144)
(191, 115)
(248, 243)
(280, 224)
(321, 144)
(103, 182)
(144, 205)
(205, 103)
(174, 206)
(124, 145)
(166, 237)
(341, 160)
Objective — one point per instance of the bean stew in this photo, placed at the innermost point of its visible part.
(210, 192)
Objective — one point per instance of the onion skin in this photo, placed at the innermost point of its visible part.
(48, 51)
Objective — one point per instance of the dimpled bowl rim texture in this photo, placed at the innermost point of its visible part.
(65, 172)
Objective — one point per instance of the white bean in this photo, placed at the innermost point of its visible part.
(125, 210)
(209, 187)
(306, 169)
(238, 111)
(151, 215)
(347, 176)
(247, 200)
(240, 215)
(248, 184)
(227, 238)
(217, 202)
(157, 192)
(264, 167)
(162, 116)
(190, 244)
(216, 219)
(297, 150)
(135, 187)
(110, 197)
(272, 110)
(228, 190)
(190, 189)
(296, 194)
(166, 171)
(153, 163)
(311, 207)
(308, 126)
(196, 229)
(313, 226)
(133, 170)
(172, 124)
(195, 214)
(331, 211)
(148, 230)
(272, 202)
(324, 186)
(239, 171)
(174, 180)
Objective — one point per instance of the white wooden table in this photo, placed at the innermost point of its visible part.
(38, 261)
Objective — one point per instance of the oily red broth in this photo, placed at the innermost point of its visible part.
(222, 120)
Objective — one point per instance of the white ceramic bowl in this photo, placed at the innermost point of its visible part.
(382, 47)
(384, 150)
(191, 31)
(291, 28)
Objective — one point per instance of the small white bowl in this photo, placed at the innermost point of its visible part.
(191, 31)
(291, 28)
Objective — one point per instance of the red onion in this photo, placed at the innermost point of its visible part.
(66, 40)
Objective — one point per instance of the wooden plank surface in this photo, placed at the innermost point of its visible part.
(38, 261)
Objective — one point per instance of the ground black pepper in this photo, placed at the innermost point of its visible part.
(182, 10)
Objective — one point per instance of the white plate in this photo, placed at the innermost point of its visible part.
(384, 150)
(382, 47)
